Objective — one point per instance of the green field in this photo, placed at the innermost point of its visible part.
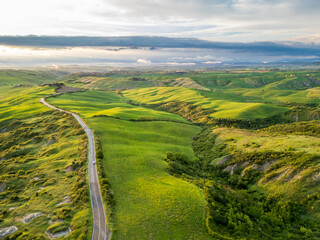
(97, 103)
(149, 202)
(226, 105)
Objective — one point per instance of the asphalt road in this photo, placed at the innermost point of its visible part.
(100, 230)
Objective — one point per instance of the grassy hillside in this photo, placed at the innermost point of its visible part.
(42, 170)
(226, 105)
(130, 80)
(107, 103)
(24, 103)
(150, 204)
(12, 82)
(258, 184)
(24, 78)
(256, 86)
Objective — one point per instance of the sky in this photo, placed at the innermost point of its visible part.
(215, 20)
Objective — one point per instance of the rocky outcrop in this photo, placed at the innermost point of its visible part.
(224, 160)
(66, 199)
(30, 217)
(7, 231)
(70, 168)
(3, 186)
(264, 167)
(4, 130)
(231, 168)
(59, 234)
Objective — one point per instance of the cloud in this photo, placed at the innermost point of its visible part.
(144, 61)
(210, 62)
(218, 20)
(180, 64)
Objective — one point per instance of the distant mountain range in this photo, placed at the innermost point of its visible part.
(270, 48)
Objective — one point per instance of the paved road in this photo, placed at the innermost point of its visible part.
(100, 230)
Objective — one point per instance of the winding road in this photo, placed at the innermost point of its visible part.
(100, 230)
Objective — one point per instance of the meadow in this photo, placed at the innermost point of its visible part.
(149, 202)
(106, 103)
(226, 105)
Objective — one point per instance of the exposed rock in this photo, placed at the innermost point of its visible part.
(3, 187)
(59, 234)
(258, 167)
(267, 165)
(70, 168)
(66, 199)
(7, 231)
(316, 177)
(36, 178)
(4, 130)
(231, 168)
(224, 159)
(12, 208)
(30, 217)
(22, 85)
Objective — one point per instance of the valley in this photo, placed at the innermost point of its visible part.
(180, 155)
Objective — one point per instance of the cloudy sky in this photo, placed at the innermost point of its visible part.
(216, 20)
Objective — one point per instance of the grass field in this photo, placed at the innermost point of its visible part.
(251, 141)
(27, 78)
(95, 103)
(24, 103)
(150, 204)
(227, 105)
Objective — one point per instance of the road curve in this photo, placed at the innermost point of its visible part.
(100, 230)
